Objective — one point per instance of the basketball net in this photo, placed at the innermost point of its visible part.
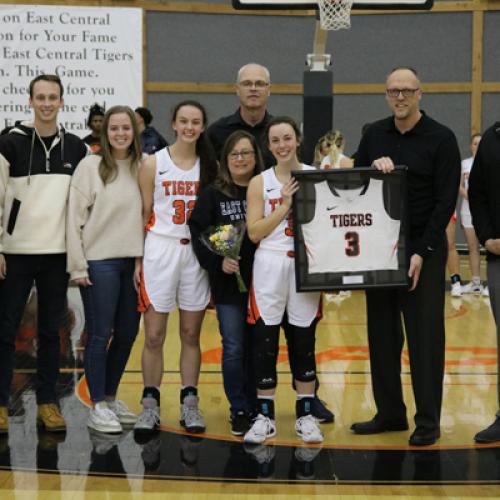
(335, 14)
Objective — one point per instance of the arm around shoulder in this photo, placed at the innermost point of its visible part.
(147, 174)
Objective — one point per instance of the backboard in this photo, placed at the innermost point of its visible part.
(308, 4)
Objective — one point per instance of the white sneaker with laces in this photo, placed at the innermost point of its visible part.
(308, 429)
(456, 289)
(120, 409)
(473, 287)
(191, 417)
(262, 429)
(102, 419)
(148, 421)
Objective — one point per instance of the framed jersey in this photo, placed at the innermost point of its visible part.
(350, 229)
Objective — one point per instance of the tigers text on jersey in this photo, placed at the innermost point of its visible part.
(351, 231)
(281, 238)
(174, 197)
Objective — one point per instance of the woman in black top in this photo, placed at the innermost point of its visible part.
(224, 202)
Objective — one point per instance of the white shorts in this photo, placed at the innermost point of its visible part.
(171, 275)
(466, 219)
(273, 290)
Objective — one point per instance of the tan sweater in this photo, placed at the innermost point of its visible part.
(103, 222)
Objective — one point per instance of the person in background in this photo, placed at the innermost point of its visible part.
(94, 123)
(170, 181)
(37, 160)
(331, 148)
(104, 234)
(474, 286)
(225, 203)
(151, 139)
(453, 261)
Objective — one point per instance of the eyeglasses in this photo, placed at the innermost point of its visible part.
(245, 154)
(404, 92)
(258, 84)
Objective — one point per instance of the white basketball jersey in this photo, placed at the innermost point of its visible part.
(351, 231)
(281, 238)
(174, 197)
(466, 168)
(326, 163)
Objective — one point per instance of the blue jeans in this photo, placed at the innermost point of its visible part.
(237, 365)
(110, 305)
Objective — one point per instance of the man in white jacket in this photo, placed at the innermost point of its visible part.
(37, 160)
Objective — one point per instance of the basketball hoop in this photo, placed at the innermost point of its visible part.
(335, 14)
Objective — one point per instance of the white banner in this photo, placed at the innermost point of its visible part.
(96, 51)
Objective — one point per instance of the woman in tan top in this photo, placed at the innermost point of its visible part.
(104, 244)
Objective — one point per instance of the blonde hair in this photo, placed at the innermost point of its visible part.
(334, 141)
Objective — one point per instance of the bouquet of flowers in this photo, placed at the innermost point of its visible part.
(225, 240)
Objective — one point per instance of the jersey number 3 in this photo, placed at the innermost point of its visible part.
(182, 213)
(352, 248)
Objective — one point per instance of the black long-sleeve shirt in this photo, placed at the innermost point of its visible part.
(484, 188)
(214, 208)
(430, 151)
(220, 130)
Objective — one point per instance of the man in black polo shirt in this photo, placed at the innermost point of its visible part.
(430, 151)
(253, 88)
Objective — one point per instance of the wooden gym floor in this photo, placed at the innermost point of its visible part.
(81, 464)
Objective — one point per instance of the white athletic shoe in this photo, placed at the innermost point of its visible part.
(473, 287)
(102, 419)
(262, 429)
(308, 429)
(191, 417)
(148, 421)
(120, 409)
(456, 289)
(485, 292)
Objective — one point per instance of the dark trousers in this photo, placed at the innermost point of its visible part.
(48, 272)
(494, 287)
(423, 313)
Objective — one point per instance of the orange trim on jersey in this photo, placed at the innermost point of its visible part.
(82, 392)
(151, 222)
(143, 301)
(253, 313)
(454, 218)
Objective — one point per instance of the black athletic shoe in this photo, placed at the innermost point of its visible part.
(240, 423)
(321, 412)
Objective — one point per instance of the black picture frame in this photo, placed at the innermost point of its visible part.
(394, 189)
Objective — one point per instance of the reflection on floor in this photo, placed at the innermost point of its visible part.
(469, 405)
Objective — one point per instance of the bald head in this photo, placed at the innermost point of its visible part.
(253, 68)
(405, 72)
(403, 95)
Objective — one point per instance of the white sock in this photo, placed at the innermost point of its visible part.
(301, 396)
